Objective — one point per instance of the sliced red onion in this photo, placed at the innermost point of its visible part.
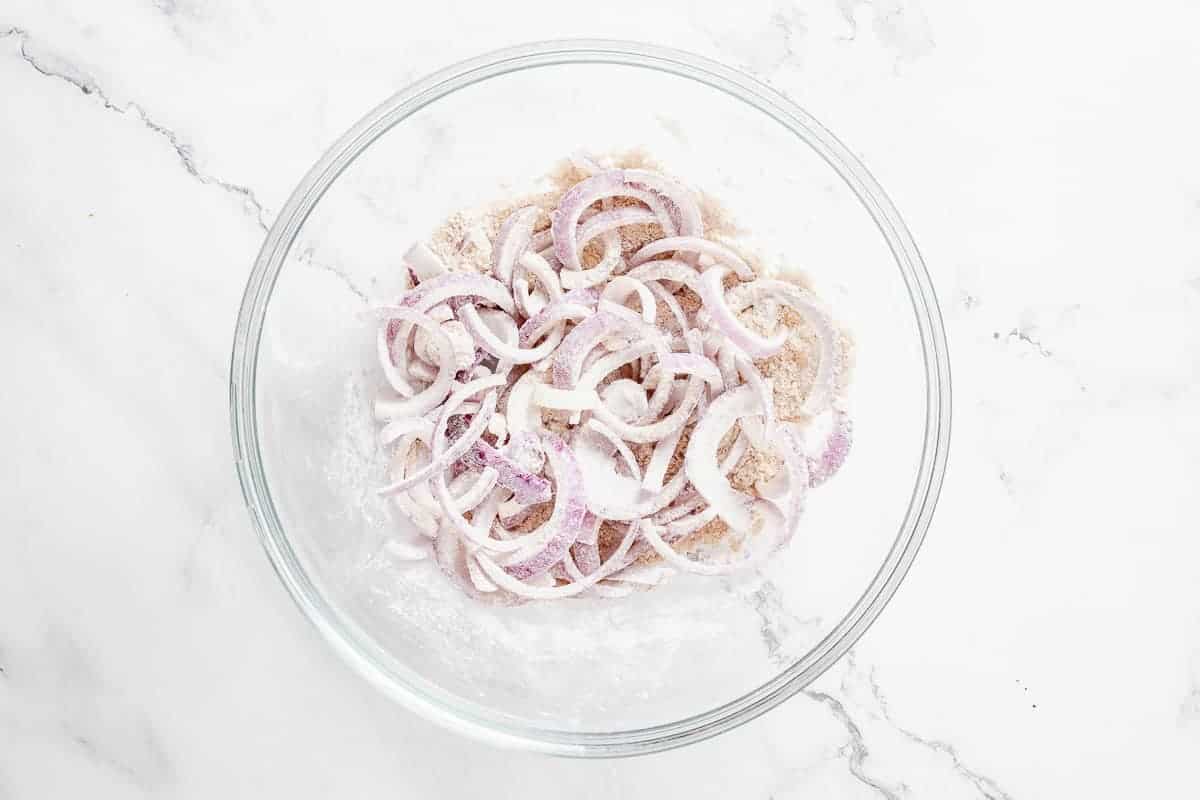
(694, 244)
(525, 448)
(512, 241)
(796, 463)
(511, 584)
(668, 299)
(712, 292)
(606, 361)
(585, 553)
(623, 499)
(836, 447)
(403, 427)
(604, 225)
(690, 524)
(541, 240)
(423, 262)
(520, 411)
(727, 364)
(656, 430)
(540, 269)
(818, 321)
(609, 261)
(493, 344)
(391, 347)
(678, 196)
(660, 396)
(443, 459)
(574, 305)
(761, 432)
(417, 513)
(552, 397)
(615, 183)
(660, 459)
(458, 284)
(700, 460)
(693, 364)
(615, 444)
(622, 287)
(469, 489)
(528, 302)
(527, 488)
(567, 519)
(426, 348)
(579, 342)
(667, 270)
(436, 392)
(608, 221)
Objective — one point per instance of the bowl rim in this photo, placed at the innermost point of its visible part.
(363, 653)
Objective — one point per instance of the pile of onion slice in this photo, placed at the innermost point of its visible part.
(523, 393)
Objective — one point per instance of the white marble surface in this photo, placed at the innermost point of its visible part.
(1047, 642)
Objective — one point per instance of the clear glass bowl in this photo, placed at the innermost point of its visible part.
(582, 677)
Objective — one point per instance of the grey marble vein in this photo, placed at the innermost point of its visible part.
(307, 257)
(1022, 334)
(858, 750)
(87, 85)
(986, 786)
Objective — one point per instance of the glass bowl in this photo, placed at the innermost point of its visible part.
(582, 677)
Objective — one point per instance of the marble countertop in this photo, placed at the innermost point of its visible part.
(1047, 641)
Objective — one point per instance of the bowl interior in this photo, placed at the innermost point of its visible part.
(592, 666)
